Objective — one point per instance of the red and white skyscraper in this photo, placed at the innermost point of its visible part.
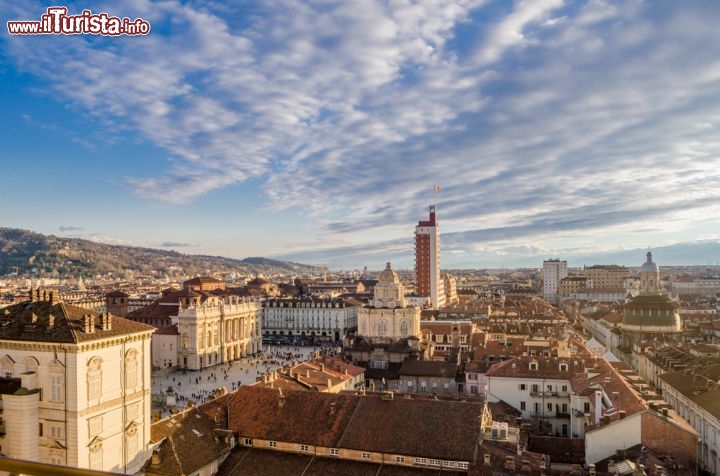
(428, 282)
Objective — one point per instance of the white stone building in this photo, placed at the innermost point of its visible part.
(311, 318)
(388, 315)
(76, 387)
(217, 329)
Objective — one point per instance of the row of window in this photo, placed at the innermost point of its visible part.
(366, 455)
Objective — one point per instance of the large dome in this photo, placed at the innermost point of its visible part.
(649, 266)
(651, 314)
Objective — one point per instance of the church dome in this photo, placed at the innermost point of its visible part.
(651, 314)
(388, 276)
(649, 266)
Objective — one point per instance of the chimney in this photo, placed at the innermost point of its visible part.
(598, 406)
(307, 373)
(329, 383)
(44, 295)
(106, 322)
(32, 294)
(54, 297)
(51, 321)
(322, 367)
(332, 408)
(89, 323)
(281, 401)
(37, 294)
(622, 414)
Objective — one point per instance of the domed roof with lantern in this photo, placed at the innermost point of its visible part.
(649, 266)
(388, 276)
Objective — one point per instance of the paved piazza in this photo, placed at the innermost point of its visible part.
(198, 385)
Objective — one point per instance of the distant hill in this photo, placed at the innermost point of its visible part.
(33, 254)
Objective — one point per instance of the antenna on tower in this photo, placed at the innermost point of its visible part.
(436, 190)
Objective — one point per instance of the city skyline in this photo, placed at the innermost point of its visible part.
(316, 132)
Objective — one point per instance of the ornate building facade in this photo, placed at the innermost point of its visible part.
(388, 315)
(202, 325)
(76, 386)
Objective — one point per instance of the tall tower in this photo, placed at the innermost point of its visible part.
(553, 271)
(428, 281)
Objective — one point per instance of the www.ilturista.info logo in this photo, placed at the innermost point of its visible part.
(57, 22)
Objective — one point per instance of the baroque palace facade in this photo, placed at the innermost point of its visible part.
(201, 325)
(75, 386)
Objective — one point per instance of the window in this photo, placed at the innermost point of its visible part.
(522, 405)
(366, 455)
(56, 387)
(304, 448)
(564, 408)
(248, 441)
(131, 368)
(403, 328)
(94, 376)
(462, 465)
(96, 457)
(95, 426)
(272, 444)
(434, 462)
(131, 443)
(382, 328)
(549, 407)
(586, 407)
(423, 386)
(420, 460)
(448, 464)
(333, 451)
(564, 388)
(57, 459)
(535, 387)
(399, 459)
(56, 432)
(523, 386)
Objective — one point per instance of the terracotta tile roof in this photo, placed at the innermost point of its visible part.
(156, 310)
(190, 440)
(42, 321)
(258, 462)
(305, 417)
(428, 368)
(112, 294)
(442, 429)
(367, 423)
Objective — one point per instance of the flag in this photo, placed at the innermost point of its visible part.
(437, 188)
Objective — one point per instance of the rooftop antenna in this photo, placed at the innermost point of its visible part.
(436, 190)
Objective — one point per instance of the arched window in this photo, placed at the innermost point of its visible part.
(403, 328)
(216, 338)
(94, 378)
(209, 339)
(131, 370)
(8, 365)
(31, 364)
(382, 328)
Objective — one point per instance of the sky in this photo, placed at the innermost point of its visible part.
(316, 131)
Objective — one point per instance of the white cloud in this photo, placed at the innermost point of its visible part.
(544, 118)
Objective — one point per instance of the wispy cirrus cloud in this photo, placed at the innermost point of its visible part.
(539, 118)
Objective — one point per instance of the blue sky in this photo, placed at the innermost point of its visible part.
(315, 131)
